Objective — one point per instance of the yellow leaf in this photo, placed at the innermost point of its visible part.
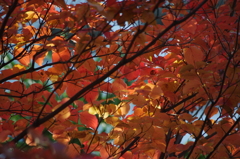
(30, 15)
(119, 140)
(112, 120)
(93, 110)
(100, 110)
(54, 78)
(19, 66)
(110, 108)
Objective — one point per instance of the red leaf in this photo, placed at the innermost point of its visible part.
(190, 27)
(89, 120)
(92, 96)
(130, 74)
(111, 2)
(72, 89)
(4, 135)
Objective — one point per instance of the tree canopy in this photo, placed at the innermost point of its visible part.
(106, 79)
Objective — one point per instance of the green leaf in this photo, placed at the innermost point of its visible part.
(76, 141)
(129, 83)
(15, 118)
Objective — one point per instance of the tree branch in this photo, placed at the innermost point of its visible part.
(99, 80)
(11, 9)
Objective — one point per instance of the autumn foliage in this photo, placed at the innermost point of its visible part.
(141, 79)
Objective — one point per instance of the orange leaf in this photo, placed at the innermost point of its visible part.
(64, 114)
(73, 150)
(138, 100)
(112, 120)
(124, 109)
(24, 58)
(138, 112)
(103, 152)
(127, 155)
(192, 54)
(61, 55)
(118, 86)
(90, 65)
(213, 112)
(156, 92)
(187, 117)
(89, 120)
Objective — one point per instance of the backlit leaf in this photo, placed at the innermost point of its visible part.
(89, 120)
(92, 96)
